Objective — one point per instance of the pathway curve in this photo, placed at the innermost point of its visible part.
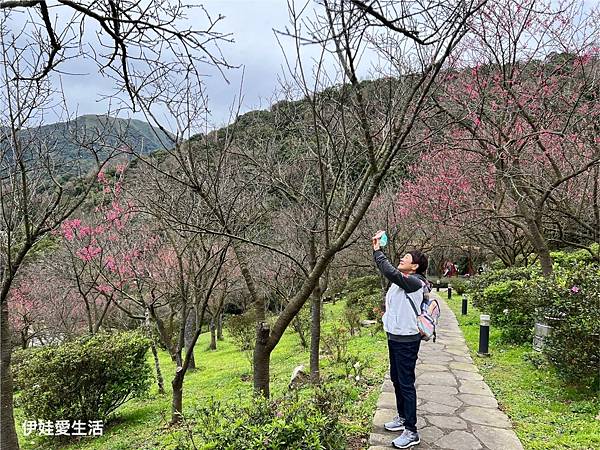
(455, 408)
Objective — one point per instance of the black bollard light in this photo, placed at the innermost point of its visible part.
(484, 335)
(438, 285)
(464, 305)
(449, 292)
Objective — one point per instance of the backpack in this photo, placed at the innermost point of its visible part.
(430, 312)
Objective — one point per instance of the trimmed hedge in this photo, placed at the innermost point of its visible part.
(84, 379)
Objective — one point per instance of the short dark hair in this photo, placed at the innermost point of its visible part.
(421, 259)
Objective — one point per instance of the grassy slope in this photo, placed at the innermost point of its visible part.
(140, 423)
(546, 413)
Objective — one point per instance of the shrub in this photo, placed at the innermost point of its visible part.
(335, 343)
(352, 316)
(459, 285)
(565, 259)
(367, 285)
(479, 283)
(84, 379)
(287, 422)
(512, 308)
(573, 298)
(242, 329)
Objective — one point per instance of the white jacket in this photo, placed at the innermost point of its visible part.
(399, 317)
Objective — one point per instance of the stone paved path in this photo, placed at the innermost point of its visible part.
(455, 408)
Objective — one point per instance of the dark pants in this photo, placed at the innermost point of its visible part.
(403, 358)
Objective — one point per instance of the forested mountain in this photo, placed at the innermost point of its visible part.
(74, 143)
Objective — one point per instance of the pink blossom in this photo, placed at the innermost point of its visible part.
(102, 177)
(88, 252)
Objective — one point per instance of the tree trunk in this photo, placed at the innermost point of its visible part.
(541, 247)
(315, 334)
(190, 330)
(213, 334)
(8, 433)
(220, 327)
(177, 404)
(159, 377)
(262, 360)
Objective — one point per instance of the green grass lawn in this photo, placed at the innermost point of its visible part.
(546, 412)
(142, 423)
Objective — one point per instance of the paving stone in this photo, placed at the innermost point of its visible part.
(483, 401)
(453, 343)
(383, 440)
(438, 378)
(457, 345)
(486, 416)
(387, 386)
(448, 390)
(432, 367)
(459, 440)
(387, 400)
(464, 375)
(456, 351)
(437, 408)
(430, 434)
(444, 399)
(383, 415)
(452, 337)
(463, 359)
(448, 422)
(474, 387)
(497, 438)
(467, 367)
(436, 359)
(434, 346)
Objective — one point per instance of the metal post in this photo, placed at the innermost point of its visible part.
(464, 305)
(438, 285)
(449, 292)
(484, 335)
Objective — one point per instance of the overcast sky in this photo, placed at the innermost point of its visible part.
(255, 49)
(251, 23)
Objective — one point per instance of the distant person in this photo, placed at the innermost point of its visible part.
(403, 337)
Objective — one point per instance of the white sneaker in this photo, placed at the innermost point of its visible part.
(406, 439)
(397, 424)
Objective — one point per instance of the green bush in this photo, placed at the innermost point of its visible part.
(352, 314)
(335, 343)
(460, 285)
(573, 298)
(367, 285)
(565, 259)
(242, 329)
(288, 422)
(84, 379)
(512, 308)
(479, 283)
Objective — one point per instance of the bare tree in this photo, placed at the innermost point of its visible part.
(136, 44)
(335, 170)
(33, 199)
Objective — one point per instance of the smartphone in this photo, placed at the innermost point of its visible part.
(383, 240)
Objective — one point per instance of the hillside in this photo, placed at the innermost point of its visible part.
(71, 142)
